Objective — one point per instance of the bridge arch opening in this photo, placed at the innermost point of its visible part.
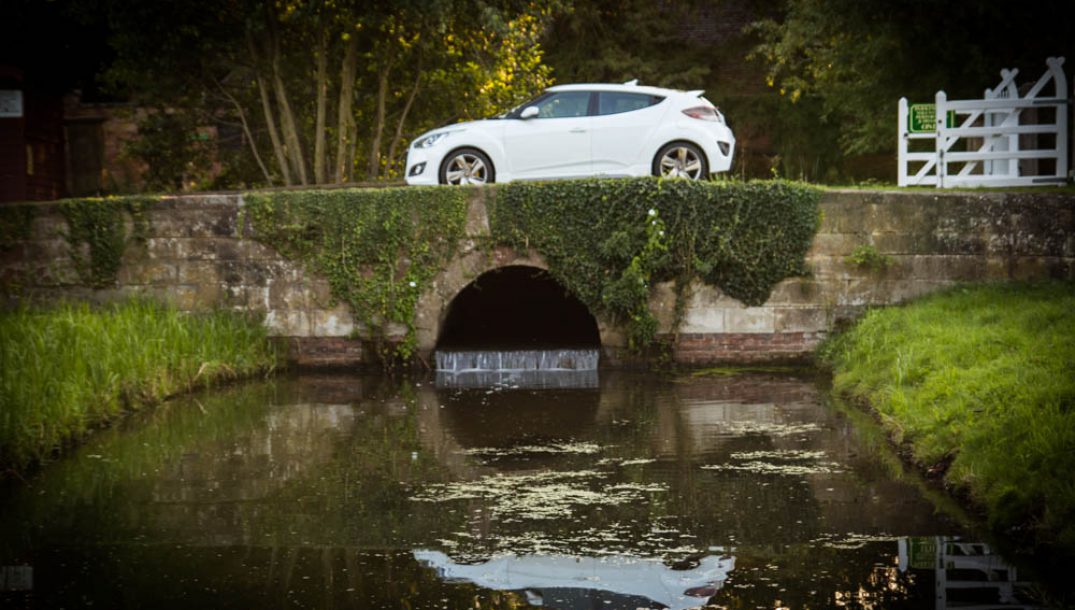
(517, 307)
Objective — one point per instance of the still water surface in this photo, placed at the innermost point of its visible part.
(365, 492)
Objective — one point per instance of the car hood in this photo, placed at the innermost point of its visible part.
(461, 126)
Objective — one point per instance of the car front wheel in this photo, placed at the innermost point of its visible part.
(681, 160)
(467, 166)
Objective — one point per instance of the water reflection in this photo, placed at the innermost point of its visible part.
(318, 492)
(575, 583)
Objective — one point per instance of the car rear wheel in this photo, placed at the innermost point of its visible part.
(467, 166)
(681, 160)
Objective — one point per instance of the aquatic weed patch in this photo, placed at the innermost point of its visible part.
(979, 381)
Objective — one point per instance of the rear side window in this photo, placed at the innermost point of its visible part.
(615, 102)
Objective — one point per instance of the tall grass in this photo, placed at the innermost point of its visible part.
(983, 377)
(68, 369)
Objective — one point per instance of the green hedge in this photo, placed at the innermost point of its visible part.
(608, 241)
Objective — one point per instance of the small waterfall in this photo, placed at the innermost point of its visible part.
(538, 368)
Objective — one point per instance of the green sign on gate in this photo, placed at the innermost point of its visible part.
(922, 118)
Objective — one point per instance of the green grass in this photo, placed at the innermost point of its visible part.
(985, 377)
(69, 369)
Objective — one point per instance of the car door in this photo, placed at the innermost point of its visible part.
(621, 126)
(553, 144)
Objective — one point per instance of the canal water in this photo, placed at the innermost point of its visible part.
(627, 491)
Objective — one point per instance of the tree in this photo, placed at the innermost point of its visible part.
(858, 57)
(301, 75)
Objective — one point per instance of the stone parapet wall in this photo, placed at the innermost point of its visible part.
(930, 239)
(198, 253)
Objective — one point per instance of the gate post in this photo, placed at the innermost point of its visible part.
(902, 142)
(941, 109)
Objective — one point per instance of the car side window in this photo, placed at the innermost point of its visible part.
(615, 102)
(565, 104)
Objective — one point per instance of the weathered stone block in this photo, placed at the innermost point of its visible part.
(257, 298)
(834, 244)
(289, 296)
(703, 320)
(197, 272)
(169, 248)
(287, 323)
(800, 319)
(749, 320)
(182, 297)
(943, 267)
(331, 323)
(853, 217)
(794, 291)
(206, 295)
(149, 272)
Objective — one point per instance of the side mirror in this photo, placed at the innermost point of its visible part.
(529, 112)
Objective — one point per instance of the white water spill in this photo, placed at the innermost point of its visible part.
(545, 368)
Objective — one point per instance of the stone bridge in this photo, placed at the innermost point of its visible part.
(199, 253)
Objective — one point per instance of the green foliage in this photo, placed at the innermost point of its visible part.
(983, 377)
(608, 241)
(866, 256)
(617, 40)
(97, 235)
(378, 248)
(66, 370)
(858, 57)
(16, 222)
(174, 150)
(317, 92)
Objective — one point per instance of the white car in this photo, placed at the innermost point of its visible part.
(573, 131)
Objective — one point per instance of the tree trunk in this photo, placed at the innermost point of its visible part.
(266, 109)
(322, 102)
(287, 117)
(373, 167)
(345, 117)
(247, 133)
(398, 136)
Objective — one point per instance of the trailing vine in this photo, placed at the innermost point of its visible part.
(377, 248)
(16, 224)
(609, 241)
(97, 235)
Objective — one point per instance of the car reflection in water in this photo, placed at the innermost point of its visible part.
(570, 582)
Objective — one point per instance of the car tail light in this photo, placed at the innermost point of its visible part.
(703, 113)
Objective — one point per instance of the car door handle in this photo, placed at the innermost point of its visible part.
(577, 130)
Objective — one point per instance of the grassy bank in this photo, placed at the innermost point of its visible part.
(980, 381)
(66, 370)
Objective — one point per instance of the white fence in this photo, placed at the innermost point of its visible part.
(1001, 140)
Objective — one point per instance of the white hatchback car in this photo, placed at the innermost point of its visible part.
(573, 131)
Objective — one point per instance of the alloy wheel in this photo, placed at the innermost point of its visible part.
(466, 168)
(681, 162)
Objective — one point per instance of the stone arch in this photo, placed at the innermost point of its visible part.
(517, 306)
(435, 305)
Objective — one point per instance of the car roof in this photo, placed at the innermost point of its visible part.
(623, 87)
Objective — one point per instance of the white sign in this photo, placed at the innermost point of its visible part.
(10, 103)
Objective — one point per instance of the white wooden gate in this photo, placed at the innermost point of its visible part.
(982, 142)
